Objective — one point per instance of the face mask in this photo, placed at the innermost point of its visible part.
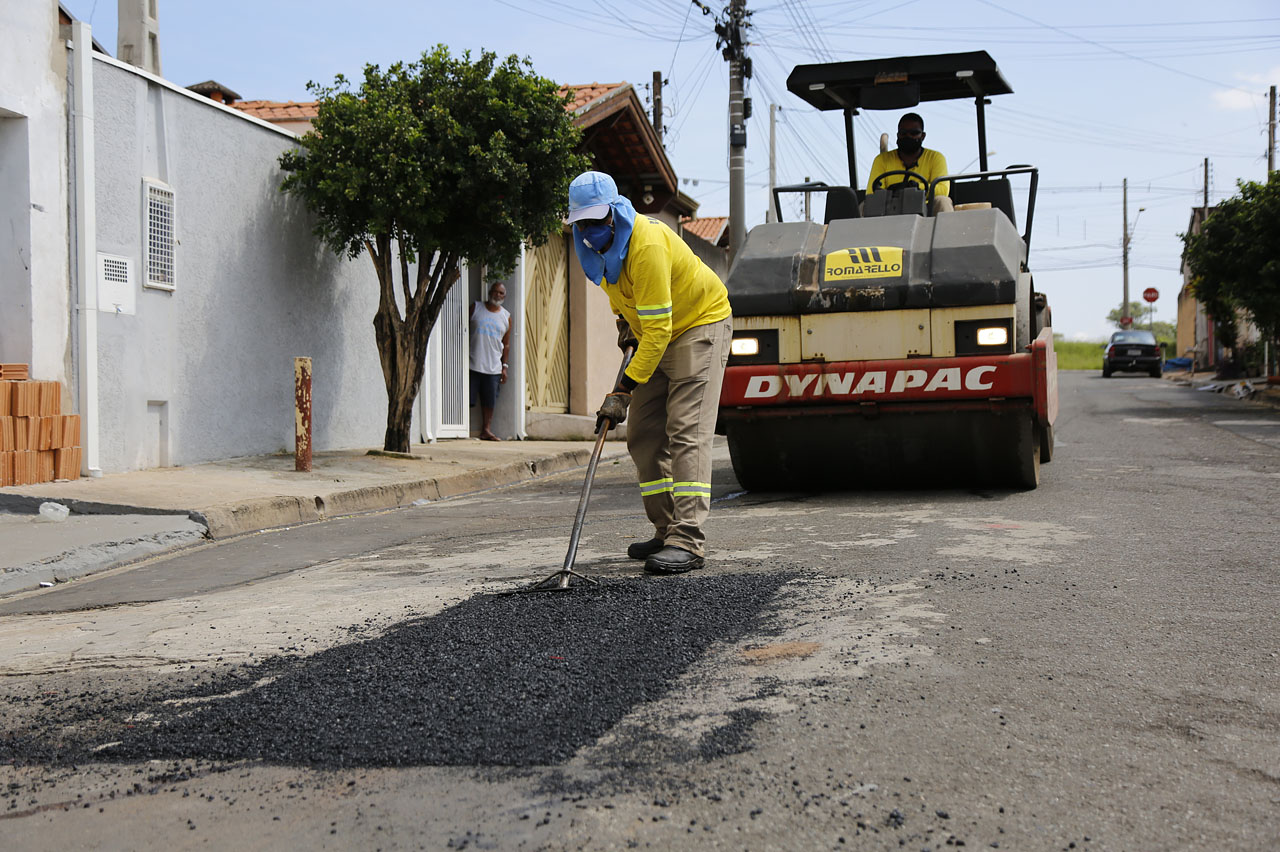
(596, 237)
(907, 145)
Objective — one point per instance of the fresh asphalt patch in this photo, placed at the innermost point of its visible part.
(497, 680)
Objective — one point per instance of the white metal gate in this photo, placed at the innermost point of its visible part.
(452, 335)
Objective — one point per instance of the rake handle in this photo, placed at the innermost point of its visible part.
(586, 485)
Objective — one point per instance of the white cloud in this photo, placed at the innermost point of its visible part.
(1235, 100)
(1252, 91)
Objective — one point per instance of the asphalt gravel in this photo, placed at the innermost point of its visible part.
(497, 680)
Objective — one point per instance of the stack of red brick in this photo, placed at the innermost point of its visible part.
(37, 442)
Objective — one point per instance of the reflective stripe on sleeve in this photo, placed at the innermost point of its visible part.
(653, 311)
(657, 486)
(691, 489)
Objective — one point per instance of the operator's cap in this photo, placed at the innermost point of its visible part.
(590, 195)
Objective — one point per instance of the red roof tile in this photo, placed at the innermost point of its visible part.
(306, 110)
(709, 228)
(278, 111)
(587, 92)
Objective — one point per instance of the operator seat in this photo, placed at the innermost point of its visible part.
(842, 203)
(996, 191)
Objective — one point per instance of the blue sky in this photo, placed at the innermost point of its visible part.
(1102, 91)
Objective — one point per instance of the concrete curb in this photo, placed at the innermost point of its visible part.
(238, 517)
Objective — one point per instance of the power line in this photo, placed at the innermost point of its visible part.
(1105, 47)
(706, 74)
(687, 12)
(615, 24)
(1146, 25)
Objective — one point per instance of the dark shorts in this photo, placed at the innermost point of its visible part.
(485, 386)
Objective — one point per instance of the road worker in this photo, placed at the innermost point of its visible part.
(678, 310)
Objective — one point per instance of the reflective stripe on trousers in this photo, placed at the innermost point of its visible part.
(670, 427)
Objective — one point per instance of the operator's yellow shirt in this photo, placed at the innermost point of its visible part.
(932, 165)
(664, 290)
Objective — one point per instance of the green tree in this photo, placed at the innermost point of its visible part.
(1235, 259)
(1141, 312)
(426, 164)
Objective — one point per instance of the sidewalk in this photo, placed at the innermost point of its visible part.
(122, 517)
(1262, 392)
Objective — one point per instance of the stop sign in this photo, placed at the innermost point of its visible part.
(1151, 294)
(1126, 322)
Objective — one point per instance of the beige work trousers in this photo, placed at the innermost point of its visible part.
(670, 427)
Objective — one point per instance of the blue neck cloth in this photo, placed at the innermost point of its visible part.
(609, 264)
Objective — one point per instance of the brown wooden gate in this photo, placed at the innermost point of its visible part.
(547, 326)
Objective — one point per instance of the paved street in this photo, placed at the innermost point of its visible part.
(1091, 665)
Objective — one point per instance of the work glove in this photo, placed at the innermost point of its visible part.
(614, 409)
(626, 338)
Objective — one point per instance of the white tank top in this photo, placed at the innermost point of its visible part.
(487, 330)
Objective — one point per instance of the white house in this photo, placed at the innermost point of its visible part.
(149, 262)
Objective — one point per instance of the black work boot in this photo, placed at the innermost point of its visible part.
(644, 549)
(672, 560)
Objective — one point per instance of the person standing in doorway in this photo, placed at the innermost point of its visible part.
(678, 310)
(490, 345)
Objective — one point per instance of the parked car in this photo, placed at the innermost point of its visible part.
(1133, 352)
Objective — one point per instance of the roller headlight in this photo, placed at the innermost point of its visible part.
(753, 346)
(993, 336)
(984, 336)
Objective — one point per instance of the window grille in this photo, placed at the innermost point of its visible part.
(159, 243)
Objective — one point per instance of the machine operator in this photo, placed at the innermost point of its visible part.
(911, 154)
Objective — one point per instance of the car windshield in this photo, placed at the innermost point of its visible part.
(1134, 337)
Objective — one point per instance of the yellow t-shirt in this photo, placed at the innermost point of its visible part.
(931, 165)
(664, 290)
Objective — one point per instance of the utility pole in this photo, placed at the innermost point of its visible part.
(772, 215)
(729, 35)
(1271, 136)
(657, 103)
(1124, 305)
(1206, 186)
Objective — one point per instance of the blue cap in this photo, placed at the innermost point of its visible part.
(590, 195)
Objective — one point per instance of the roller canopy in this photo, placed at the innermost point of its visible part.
(898, 83)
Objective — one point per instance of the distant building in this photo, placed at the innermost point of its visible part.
(1197, 337)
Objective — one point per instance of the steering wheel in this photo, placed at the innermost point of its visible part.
(907, 173)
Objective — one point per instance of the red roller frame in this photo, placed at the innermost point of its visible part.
(1031, 375)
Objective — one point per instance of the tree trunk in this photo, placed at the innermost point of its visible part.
(402, 341)
(403, 379)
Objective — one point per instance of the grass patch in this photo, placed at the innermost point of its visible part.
(1075, 355)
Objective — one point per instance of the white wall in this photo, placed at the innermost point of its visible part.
(34, 259)
(254, 289)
